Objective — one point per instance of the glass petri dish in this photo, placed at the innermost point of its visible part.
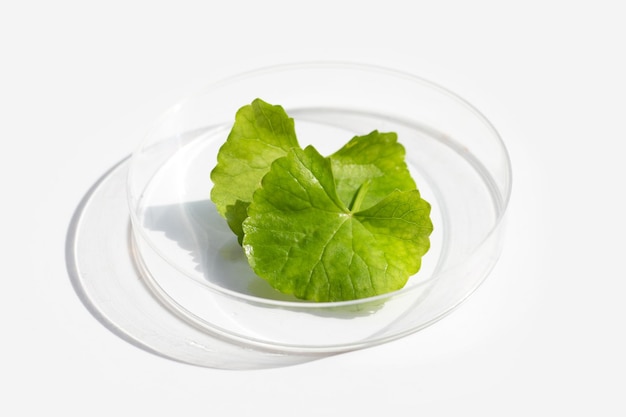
(191, 260)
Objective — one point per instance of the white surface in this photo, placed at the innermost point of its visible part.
(543, 336)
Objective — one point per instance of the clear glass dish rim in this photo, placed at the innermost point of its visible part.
(340, 65)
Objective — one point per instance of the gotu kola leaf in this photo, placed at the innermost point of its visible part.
(261, 133)
(304, 240)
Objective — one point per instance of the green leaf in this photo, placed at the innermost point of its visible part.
(304, 240)
(261, 133)
(375, 159)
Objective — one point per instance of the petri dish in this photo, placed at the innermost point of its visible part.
(191, 261)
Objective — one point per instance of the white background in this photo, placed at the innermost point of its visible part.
(545, 334)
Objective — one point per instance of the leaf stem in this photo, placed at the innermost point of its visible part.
(360, 195)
